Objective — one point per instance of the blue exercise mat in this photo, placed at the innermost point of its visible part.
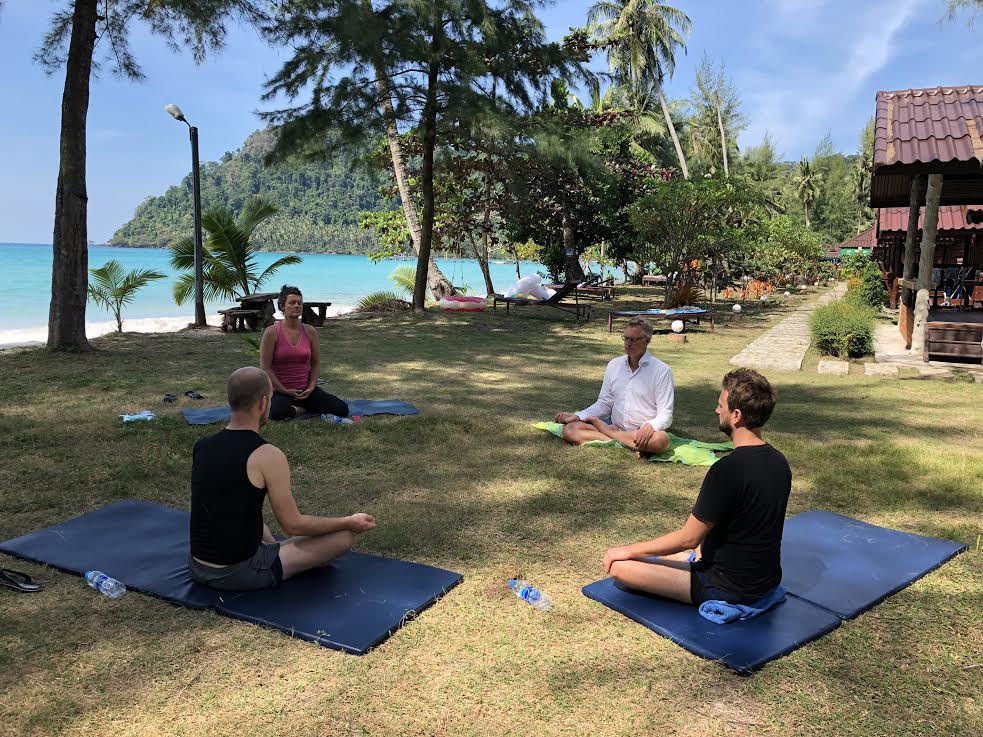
(848, 566)
(144, 545)
(743, 646)
(356, 407)
(833, 567)
(352, 605)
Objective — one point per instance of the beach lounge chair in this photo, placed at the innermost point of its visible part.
(576, 308)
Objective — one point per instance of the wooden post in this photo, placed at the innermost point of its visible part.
(914, 205)
(926, 262)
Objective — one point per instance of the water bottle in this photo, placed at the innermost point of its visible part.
(530, 594)
(104, 584)
(334, 419)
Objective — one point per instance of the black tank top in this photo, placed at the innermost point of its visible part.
(226, 509)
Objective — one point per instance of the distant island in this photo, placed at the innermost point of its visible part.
(319, 202)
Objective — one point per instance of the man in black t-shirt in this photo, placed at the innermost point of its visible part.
(734, 535)
(232, 473)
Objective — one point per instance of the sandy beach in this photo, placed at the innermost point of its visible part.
(36, 336)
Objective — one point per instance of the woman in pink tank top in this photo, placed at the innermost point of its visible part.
(290, 353)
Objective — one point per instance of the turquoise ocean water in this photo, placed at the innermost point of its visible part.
(25, 281)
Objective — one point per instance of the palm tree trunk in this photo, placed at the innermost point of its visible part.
(481, 253)
(429, 146)
(806, 205)
(70, 246)
(675, 138)
(723, 142)
(439, 285)
(574, 273)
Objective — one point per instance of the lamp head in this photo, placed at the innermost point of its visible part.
(175, 112)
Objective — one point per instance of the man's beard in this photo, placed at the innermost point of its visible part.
(726, 428)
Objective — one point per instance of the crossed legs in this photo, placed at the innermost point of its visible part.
(580, 432)
(299, 554)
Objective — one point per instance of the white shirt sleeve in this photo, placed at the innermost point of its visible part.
(605, 399)
(665, 397)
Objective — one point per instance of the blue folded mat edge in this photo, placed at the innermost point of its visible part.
(218, 605)
(957, 549)
(359, 407)
(326, 641)
(743, 669)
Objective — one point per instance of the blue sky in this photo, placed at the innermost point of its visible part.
(802, 67)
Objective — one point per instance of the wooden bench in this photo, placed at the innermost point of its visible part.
(315, 313)
(653, 279)
(239, 320)
(953, 340)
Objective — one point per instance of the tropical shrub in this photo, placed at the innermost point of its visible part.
(865, 285)
(383, 302)
(228, 254)
(843, 328)
(113, 290)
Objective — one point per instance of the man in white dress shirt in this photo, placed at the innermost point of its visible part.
(637, 394)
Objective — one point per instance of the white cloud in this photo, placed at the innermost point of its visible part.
(798, 103)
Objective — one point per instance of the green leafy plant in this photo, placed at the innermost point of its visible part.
(113, 289)
(383, 302)
(865, 282)
(843, 328)
(253, 342)
(228, 254)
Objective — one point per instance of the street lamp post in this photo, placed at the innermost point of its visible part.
(175, 112)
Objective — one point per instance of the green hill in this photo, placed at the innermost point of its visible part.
(319, 202)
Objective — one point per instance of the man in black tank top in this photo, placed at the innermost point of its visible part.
(730, 547)
(232, 473)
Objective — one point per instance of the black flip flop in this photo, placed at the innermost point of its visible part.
(191, 394)
(168, 398)
(19, 581)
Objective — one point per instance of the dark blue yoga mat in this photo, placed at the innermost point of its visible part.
(352, 605)
(848, 566)
(144, 545)
(356, 407)
(743, 646)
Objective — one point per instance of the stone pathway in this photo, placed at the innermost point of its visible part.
(783, 347)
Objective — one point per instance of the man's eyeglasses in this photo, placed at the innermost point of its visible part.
(632, 341)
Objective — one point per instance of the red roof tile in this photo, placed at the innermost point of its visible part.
(941, 124)
(867, 239)
(951, 217)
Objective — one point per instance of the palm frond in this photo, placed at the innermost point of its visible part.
(404, 277)
(257, 210)
(275, 266)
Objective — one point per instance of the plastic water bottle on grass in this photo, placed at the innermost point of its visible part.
(104, 584)
(530, 594)
(334, 419)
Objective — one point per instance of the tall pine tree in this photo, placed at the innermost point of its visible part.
(426, 64)
(81, 26)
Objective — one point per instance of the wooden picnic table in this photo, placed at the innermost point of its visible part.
(315, 313)
(256, 311)
(264, 302)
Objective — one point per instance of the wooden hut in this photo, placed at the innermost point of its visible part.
(928, 152)
(958, 253)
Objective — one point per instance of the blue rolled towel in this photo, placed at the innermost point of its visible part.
(722, 612)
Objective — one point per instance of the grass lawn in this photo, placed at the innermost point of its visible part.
(469, 486)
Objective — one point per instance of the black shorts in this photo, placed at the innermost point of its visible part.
(262, 571)
(702, 588)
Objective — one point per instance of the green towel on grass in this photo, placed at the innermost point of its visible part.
(681, 450)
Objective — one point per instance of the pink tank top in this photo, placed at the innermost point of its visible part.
(292, 363)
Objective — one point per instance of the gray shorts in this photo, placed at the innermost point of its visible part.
(262, 571)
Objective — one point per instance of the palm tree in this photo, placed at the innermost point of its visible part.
(807, 182)
(228, 256)
(642, 37)
(113, 290)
